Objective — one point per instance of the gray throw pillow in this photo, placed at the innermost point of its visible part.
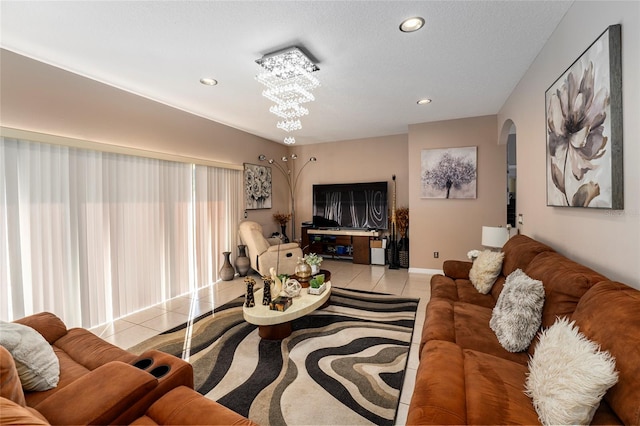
(518, 312)
(37, 364)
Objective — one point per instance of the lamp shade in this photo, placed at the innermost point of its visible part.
(494, 236)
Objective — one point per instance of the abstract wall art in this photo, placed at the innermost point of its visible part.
(449, 172)
(584, 129)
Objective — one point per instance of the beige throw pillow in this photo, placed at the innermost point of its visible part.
(568, 375)
(485, 270)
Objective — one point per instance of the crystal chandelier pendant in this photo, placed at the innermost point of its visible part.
(287, 75)
(290, 140)
(289, 125)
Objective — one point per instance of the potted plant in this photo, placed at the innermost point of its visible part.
(314, 261)
(317, 285)
(282, 219)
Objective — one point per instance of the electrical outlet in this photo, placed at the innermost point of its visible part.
(520, 219)
(436, 254)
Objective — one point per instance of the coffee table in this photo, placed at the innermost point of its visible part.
(276, 325)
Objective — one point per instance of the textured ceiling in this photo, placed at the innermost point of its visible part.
(468, 57)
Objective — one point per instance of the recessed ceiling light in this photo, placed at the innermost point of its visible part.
(423, 101)
(208, 81)
(411, 24)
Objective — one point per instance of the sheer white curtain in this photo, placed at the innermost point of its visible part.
(218, 205)
(93, 236)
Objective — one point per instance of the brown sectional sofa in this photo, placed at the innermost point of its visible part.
(466, 377)
(102, 384)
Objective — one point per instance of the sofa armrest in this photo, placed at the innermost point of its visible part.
(50, 326)
(185, 406)
(283, 247)
(457, 269)
(439, 396)
(99, 396)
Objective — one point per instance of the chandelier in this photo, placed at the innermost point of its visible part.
(287, 75)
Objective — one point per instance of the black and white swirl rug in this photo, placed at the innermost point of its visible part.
(343, 364)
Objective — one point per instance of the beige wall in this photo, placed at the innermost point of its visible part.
(31, 100)
(452, 227)
(606, 240)
(361, 160)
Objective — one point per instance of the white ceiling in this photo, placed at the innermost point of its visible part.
(468, 58)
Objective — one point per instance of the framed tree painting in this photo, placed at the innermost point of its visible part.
(257, 186)
(449, 172)
(584, 129)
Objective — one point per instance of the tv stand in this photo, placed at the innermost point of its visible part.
(339, 243)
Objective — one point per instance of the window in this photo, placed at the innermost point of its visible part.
(93, 236)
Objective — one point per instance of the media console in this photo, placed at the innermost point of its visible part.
(339, 243)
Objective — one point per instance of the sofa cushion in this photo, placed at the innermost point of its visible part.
(568, 375)
(485, 270)
(466, 325)
(439, 393)
(565, 282)
(10, 386)
(460, 290)
(518, 313)
(14, 414)
(50, 326)
(609, 314)
(495, 391)
(519, 251)
(91, 351)
(35, 360)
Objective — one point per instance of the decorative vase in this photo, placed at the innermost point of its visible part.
(227, 272)
(242, 262)
(303, 271)
(315, 269)
(283, 229)
(403, 252)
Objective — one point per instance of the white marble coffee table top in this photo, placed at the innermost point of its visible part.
(261, 314)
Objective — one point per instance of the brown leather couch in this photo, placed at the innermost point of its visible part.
(103, 384)
(466, 377)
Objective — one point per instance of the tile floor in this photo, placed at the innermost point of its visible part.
(135, 328)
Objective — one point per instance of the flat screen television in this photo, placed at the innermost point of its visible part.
(350, 205)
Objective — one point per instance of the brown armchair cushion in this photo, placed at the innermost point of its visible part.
(10, 386)
(14, 414)
(50, 326)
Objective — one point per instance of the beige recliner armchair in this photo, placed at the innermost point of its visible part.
(264, 255)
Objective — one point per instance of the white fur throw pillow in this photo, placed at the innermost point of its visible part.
(568, 375)
(38, 366)
(518, 311)
(485, 270)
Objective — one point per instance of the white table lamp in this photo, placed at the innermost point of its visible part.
(494, 236)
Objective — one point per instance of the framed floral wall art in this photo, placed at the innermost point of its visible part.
(449, 172)
(584, 129)
(257, 186)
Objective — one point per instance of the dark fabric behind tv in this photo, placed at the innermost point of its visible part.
(350, 205)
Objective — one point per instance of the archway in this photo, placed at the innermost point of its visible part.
(508, 137)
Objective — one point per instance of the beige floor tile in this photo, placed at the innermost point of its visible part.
(409, 384)
(111, 328)
(146, 315)
(131, 336)
(413, 356)
(402, 414)
(194, 307)
(165, 321)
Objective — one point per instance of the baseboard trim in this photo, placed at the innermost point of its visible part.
(425, 271)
